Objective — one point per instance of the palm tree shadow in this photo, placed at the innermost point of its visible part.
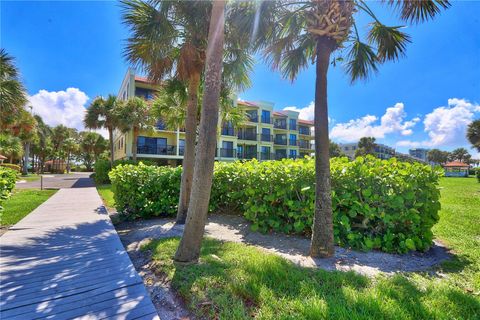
(69, 272)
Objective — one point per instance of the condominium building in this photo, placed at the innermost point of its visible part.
(381, 151)
(419, 153)
(266, 135)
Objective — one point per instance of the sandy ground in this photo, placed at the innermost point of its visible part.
(237, 229)
(293, 248)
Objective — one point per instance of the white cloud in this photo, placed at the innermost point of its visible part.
(61, 107)
(393, 121)
(306, 113)
(446, 126)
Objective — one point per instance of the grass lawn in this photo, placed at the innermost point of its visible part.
(21, 203)
(235, 281)
(30, 177)
(106, 193)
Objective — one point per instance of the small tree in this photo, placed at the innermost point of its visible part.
(366, 145)
(102, 114)
(134, 114)
(334, 150)
(438, 156)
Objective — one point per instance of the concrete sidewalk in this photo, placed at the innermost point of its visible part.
(65, 260)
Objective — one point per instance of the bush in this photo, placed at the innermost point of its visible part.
(478, 174)
(145, 191)
(378, 204)
(7, 183)
(12, 166)
(102, 168)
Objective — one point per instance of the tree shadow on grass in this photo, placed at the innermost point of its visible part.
(236, 281)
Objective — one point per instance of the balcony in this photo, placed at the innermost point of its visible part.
(252, 117)
(267, 156)
(293, 156)
(304, 144)
(280, 155)
(226, 153)
(267, 120)
(157, 150)
(246, 155)
(293, 126)
(160, 125)
(266, 137)
(181, 150)
(304, 130)
(280, 140)
(278, 124)
(292, 142)
(247, 135)
(228, 131)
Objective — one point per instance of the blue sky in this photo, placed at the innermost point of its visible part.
(70, 52)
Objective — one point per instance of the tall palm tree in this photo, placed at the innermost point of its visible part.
(169, 39)
(473, 134)
(42, 145)
(134, 114)
(12, 91)
(60, 134)
(102, 114)
(312, 31)
(189, 248)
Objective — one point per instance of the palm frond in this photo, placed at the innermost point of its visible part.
(417, 11)
(361, 61)
(390, 41)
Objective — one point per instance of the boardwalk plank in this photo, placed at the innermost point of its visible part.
(65, 260)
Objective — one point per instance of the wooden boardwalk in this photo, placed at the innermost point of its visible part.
(65, 261)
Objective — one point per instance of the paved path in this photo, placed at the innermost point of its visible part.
(57, 181)
(65, 260)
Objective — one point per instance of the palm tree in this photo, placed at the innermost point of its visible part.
(168, 40)
(12, 92)
(42, 145)
(189, 248)
(102, 114)
(473, 134)
(312, 31)
(60, 133)
(460, 154)
(10, 146)
(92, 145)
(366, 145)
(24, 127)
(134, 114)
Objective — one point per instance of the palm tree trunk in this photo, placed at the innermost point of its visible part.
(322, 244)
(189, 151)
(68, 162)
(110, 137)
(189, 249)
(134, 143)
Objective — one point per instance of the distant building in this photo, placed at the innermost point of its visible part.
(381, 151)
(419, 153)
(456, 169)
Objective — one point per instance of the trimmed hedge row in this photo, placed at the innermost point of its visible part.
(378, 204)
(7, 183)
(102, 169)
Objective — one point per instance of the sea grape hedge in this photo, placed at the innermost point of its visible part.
(7, 183)
(378, 204)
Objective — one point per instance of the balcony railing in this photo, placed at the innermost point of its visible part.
(266, 137)
(293, 126)
(304, 144)
(247, 135)
(293, 156)
(281, 141)
(304, 131)
(292, 142)
(267, 120)
(280, 124)
(266, 156)
(280, 156)
(158, 150)
(228, 131)
(181, 150)
(226, 153)
(247, 155)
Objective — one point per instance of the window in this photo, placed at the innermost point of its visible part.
(266, 136)
(293, 154)
(265, 116)
(265, 153)
(147, 145)
(293, 139)
(181, 147)
(227, 144)
(292, 124)
(227, 149)
(252, 115)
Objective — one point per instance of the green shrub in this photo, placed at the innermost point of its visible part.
(378, 204)
(102, 168)
(12, 166)
(478, 174)
(7, 183)
(145, 191)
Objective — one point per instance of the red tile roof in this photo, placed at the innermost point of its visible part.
(456, 164)
(143, 79)
(310, 122)
(247, 103)
(279, 114)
